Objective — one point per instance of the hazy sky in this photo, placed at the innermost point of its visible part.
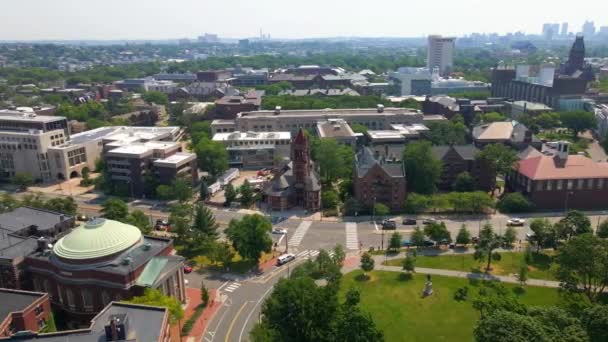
(159, 19)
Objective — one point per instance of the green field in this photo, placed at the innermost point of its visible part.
(398, 309)
(541, 266)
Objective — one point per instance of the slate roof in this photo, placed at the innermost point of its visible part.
(16, 300)
(467, 152)
(365, 161)
(24, 217)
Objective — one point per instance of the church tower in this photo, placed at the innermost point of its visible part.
(300, 157)
(576, 60)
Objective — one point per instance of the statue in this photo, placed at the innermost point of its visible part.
(428, 287)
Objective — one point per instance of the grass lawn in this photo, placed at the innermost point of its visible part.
(238, 265)
(541, 267)
(399, 310)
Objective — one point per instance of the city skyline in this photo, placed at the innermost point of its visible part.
(156, 20)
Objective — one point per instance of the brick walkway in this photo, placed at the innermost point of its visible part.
(194, 300)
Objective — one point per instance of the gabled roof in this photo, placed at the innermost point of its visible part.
(365, 161)
(574, 167)
(466, 152)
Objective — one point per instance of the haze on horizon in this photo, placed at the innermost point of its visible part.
(156, 19)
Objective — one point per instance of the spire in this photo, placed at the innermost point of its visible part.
(576, 59)
(300, 138)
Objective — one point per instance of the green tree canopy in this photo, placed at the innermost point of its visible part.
(156, 298)
(500, 158)
(514, 202)
(422, 168)
(578, 121)
(115, 209)
(212, 157)
(139, 219)
(464, 182)
(250, 236)
(155, 97)
(247, 195)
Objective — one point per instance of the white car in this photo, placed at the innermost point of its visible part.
(279, 231)
(516, 222)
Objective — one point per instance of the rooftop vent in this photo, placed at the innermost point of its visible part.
(380, 108)
(147, 246)
(127, 261)
(277, 110)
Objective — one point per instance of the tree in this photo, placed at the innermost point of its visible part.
(180, 215)
(504, 326)
(605, 144)
(595, 322)
(115, 209)
(352, 324)
(437, 232)
(421, 166)
(229, 194)
(602, 230)
(358, 128)
(488, 242)
(154, 297)
(464, 236)
(204, 295)
(204, 227)
(297, 310)
(464, 182)
(246, 192)
(339, 254)
(155, 97)
(578, 121)
(203, 192)
(139, 219)
(509, 237)
(445, 132)
(352, 207)
(492, 117)
(416, 203)
(22, 180)
(222, 253)
(575, 223)
(329, 198)
(367, 263)
(250, 236)
(334, 160)
(164, 192)
(395, 242)
(381, 209)
(522, 273)
(345, 189)
(409, 263)
(417, 238)
(182, 190)
(500, 158)
(543, 233)
(212, 156)
(514, 202)
(548, 120)
(583, 264)
(65, 205)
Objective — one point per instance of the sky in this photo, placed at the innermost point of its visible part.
(169, 19)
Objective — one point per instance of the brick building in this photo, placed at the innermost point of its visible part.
(22, 310)
(378, 181)
(229, 106)
(561, 181)
(456, 159)
(102, 261)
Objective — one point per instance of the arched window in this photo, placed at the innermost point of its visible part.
(87, 300)
(70, 297)
(105, 298)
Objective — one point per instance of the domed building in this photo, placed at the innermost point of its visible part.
(103, 261)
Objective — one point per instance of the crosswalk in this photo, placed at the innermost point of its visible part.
(312, 253)
(297, 237)
(352, 241)
(232, 287)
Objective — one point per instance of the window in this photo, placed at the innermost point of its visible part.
(105, 298)
(59, 294)
(87, 300)
(600, 183)
(549, 185)
(560, 184)
(70, 296)
(539, 185)
(589, 184)
(581, 184)
(570, 184)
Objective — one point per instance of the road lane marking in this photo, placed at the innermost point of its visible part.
(232, 287)
(222, 286)
(252, 311)
(314, 253)
(352, 242)
(297, 237)
(281, 239)
(302, 253)
(234, 320)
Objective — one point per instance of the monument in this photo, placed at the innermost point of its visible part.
(428, 287)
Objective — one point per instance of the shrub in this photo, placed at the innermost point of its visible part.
(461, 294)
(514, 203)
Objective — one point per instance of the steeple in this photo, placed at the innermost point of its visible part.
(300, 157)
(576, 60)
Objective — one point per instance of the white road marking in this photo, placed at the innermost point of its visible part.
(281, 239)
(252, 311)
(232, 287)
(297, 237)
(302, 253)
(352, 242)
(314, 253)
(222, 286)
(375, 226)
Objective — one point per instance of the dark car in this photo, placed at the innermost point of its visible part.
(389, 224)
(409, 222)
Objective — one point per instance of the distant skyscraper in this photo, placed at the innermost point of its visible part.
(588, 29)
(550, 30)
(440, 54)
(564, 29)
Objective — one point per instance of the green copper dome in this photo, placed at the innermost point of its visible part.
(96, 239)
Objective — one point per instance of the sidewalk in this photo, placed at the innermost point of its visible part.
(194, 297)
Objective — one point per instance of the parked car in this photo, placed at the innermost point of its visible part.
(530, 236)
(516, 221)
(389, 224)
(279, 231)
(429, 221)
(407, 243)
(285, 258)
(409, 222)
(82, 217)
(187, 269)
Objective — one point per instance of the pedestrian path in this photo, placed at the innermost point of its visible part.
(299, 234)
(352, 241)
(312, 253)
(232, 287)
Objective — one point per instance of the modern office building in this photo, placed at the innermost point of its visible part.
(116, 322)
(440, 54)
(411, 81)
(255, 150)
(101, 261)
(294, 120)
(588, 29)
(376, 180)
(336, 129)
(559, 181)
(22, 311)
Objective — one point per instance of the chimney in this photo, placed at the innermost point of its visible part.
(277, 110)
(380, 108)
(112, 331)
(563, 149)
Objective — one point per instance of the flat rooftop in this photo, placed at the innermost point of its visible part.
(25, 217)
(16, 300)
(176, 159)
(385, 134)
(329, 111)
(251, 136)
(11, 115)
(120, 133)
(137, 149)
